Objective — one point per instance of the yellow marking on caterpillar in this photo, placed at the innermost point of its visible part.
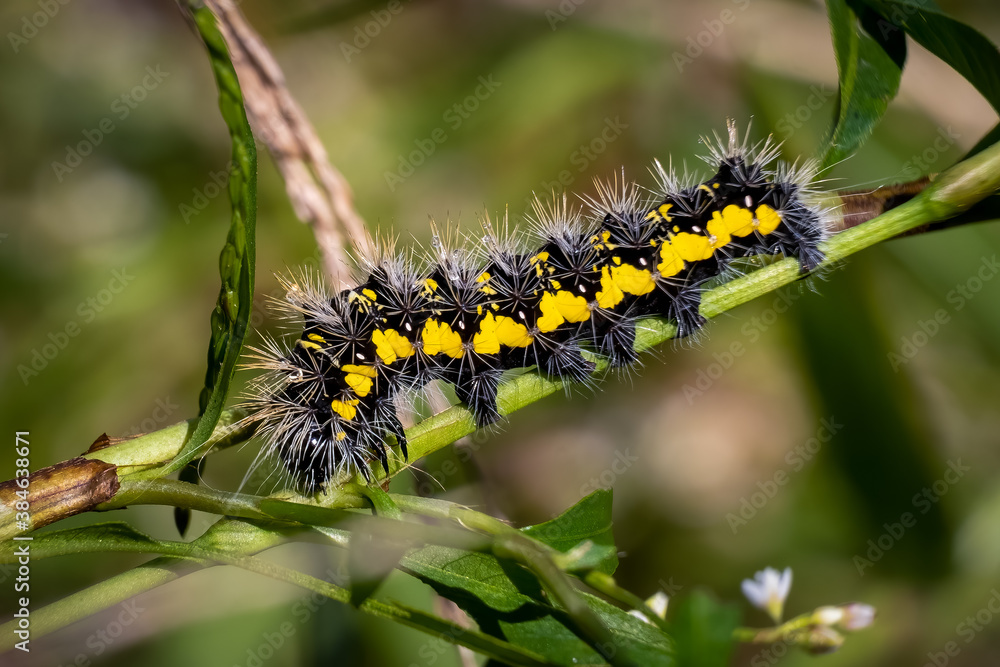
(346, 409)
(390, 345)
(610, 295)
(366, 371)
(309, 345)
(572, 306)
(733, 220)
(662, 210)
(439, 337)
(512, 333)
(538, 262)
(632, 280)
(551, 319)
(401, 345)
(369, 293)
(484, 278)
(692, 247)
(359, 378)
(670, 262)
(556, 284)
(767, 219)
(601, 242)
(430, 286)
(341, 435)
(706, 189)
(316, 337)
(715, 186)
(485, 340)
(360, 298)
(560, 307)
(616, 260)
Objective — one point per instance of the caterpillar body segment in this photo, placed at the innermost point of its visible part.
(578, 283)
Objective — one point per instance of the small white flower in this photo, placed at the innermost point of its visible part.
(828, 615)
(657, 603)
(768, 590)
(857, 616)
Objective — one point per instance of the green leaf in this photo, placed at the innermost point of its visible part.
(506, 586)
(963, 47)
(549, 636)
(98, 538)
(588, 520)
(868, 80)
(482, 643)
(703, 630)
(231, 317)
(500, 585)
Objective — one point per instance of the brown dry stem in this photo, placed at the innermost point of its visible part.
(319, 193)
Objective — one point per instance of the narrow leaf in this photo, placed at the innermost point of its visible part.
(231, 316)
(868, 80)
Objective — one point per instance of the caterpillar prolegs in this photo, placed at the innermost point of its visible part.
(579, 279)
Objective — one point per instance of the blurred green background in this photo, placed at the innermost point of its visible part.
(717, 451)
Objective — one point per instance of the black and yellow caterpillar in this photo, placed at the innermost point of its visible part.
(474, 311)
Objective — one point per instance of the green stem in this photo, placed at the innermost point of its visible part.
(152, 450)
(788, 629)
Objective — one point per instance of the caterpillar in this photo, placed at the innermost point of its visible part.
(581, 279)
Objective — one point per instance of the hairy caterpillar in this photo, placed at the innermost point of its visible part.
(466, 315)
